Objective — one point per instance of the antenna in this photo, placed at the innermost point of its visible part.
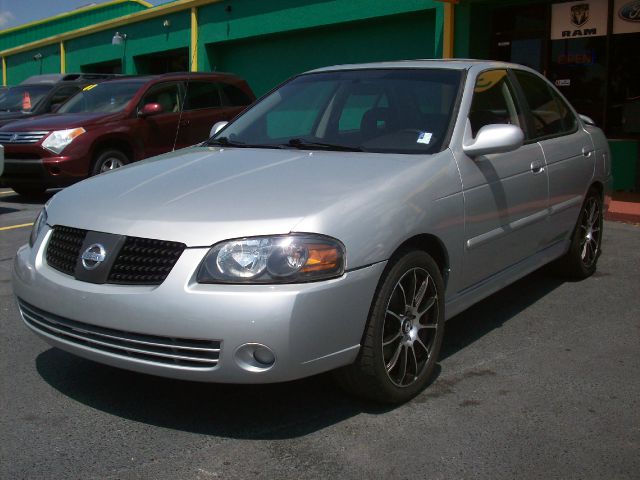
(184, 99)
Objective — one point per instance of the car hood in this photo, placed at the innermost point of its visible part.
(8, 117)
(58, 121)
(202, 195)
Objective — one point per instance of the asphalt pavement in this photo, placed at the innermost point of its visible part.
(541, 380)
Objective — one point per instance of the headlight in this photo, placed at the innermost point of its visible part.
(273, 259)
(58, 140)
(40, 222)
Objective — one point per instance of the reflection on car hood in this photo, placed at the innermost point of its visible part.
(202, 195)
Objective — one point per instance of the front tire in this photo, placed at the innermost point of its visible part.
(108, 160)
(404, 332)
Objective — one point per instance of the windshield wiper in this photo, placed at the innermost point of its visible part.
(225, 142)
(305, 144)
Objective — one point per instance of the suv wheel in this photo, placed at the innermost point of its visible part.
(108, 160)
(403, 335)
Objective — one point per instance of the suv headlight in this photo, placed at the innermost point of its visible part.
(40, 222)
(273, 259)
(57, 141)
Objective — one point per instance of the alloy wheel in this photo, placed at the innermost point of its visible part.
(111, 163)
(410, 325)
(590, 232)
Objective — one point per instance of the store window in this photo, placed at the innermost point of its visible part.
(578, 68)
(623, 113)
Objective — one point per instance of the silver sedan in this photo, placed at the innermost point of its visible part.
(335, 225)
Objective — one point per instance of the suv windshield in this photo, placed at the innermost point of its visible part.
(104, 97)
(23, 98)
(384, 110)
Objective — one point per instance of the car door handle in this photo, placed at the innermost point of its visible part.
(586, 152)
(185, 123)
(537, 167)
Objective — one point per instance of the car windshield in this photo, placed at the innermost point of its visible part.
(23, 98)
(103, 97)
(383, 110)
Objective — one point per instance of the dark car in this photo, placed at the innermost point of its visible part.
(115, 122)
(42, 94)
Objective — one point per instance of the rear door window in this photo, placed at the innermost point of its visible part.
(202, 95)
(550, 115)
(233, 96)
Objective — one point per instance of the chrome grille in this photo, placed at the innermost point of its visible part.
(182, 352)
(21, 137)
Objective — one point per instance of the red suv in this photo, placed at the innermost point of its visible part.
(115, 122)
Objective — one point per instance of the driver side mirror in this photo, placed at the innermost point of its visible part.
(496, 138)
(217, 127)
(150, 109)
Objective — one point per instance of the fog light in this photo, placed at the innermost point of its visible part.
(254, 357)
(264, 356)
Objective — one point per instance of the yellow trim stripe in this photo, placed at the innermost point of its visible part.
(12, 227)
(447, 34)
(194, 39)
(165, 9)
(71, 13)
(63, 59)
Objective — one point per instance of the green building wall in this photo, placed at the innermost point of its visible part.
(267, 42)
(32, 32)
(288, 36)
(23, 65)
(143, 38)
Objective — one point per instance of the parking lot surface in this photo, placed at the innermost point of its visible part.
(541, 380)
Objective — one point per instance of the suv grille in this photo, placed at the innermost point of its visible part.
(202, 354)
(21, 137)
(140, 261)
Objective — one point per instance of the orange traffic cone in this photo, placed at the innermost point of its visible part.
(26, 101)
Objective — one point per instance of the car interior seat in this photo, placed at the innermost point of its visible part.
(377, 121)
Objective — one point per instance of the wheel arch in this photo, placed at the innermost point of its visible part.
(432, 245)
(115, 143)
(598, 186)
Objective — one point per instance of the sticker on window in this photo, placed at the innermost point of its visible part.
(424, 137)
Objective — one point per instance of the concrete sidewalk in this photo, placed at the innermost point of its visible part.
(624, 207)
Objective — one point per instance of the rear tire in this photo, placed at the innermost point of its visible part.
(108, 160)
(31, 191)
(403, 335)
(581, 260)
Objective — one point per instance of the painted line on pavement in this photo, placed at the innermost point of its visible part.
(11, 227)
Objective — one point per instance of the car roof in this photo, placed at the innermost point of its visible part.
(173, 76)
(452, 64)
(55, 78)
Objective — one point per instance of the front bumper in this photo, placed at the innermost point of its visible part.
(311, 327)
(31, 164)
